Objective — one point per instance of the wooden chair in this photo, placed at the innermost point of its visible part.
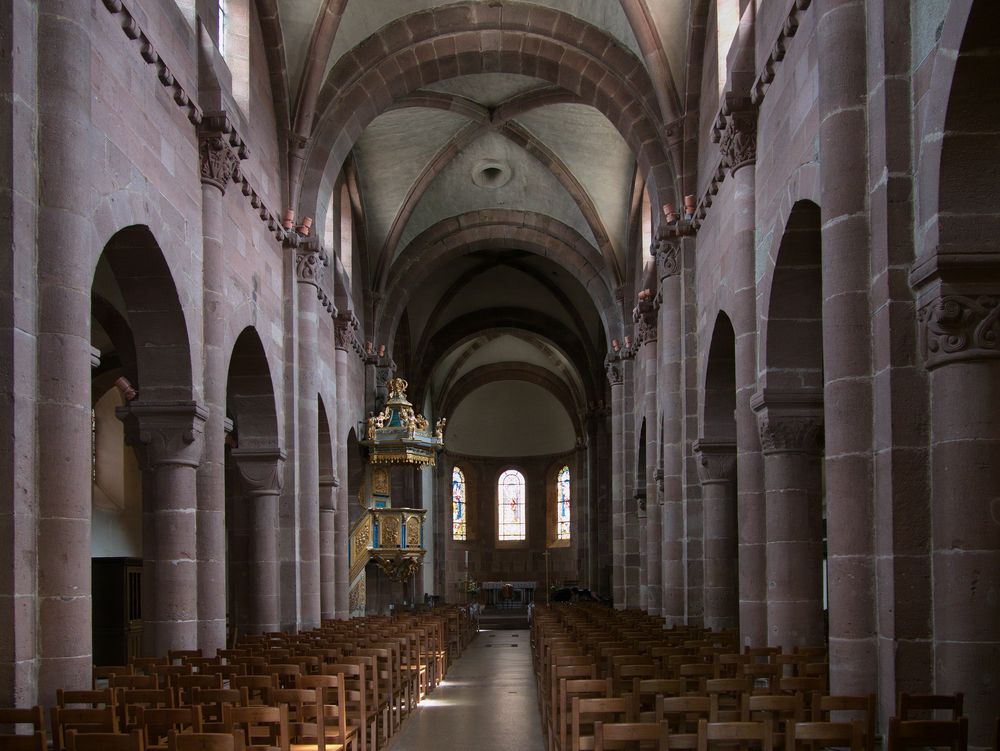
(332, 698)
(845, 708)
(356, 698)
(560, 727)
(258, 687)
(284, 675)
(763, 676)
(204, 741)
(145, 665)
(165, 674)
(645, 691)
(629, 735)
(133, 681)
(93, 698)
(780, 710)
(212, 702)
(586, 712)
(131, 741)
(86, 720)
(33, 742)
(909, 704)
(953, 734)
(726, 697)
(157, 723)
(263, 728)
(23, 716)
(182, 685)
(105, 672)
(729, 734)
(812, 735)
(694, 675)
(130, 700)
(179, 655)
(305, 721)
(684, 713)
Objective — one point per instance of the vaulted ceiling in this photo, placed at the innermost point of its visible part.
(496, 201)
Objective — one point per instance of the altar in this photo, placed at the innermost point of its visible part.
(522, 594)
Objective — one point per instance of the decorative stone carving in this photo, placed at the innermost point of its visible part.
(327, 497)
(260, 470)
(309, 265)
(960, 327)
(716, 461)
(640, 502)
(346, 334)
(658, 477)
(165, 433)
(790, 421)
(218, 160)
(668, 258)
(614, 363)
(739, 140)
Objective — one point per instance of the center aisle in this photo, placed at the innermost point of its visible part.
(487, 702)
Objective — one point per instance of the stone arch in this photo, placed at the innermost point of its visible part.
(514, 371)
(250, 399)
(791, 324)
(254, 464)
(719, 408)
(508, 229)
(154, 313)
(469, 38)
(958, 135)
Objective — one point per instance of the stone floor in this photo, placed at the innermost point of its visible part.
(487, 702)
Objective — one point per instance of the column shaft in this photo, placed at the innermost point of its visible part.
(717, 468)
(847, 345)
(671, 406)
(65, 269)
(263, 518)
(308, 456)
(749, 461)
(328, 549)
(212, 471)
(618, 493)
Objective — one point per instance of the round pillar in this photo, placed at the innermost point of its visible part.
(717, 470)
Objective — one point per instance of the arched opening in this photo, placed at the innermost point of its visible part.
(254, 465)
(140, 392)
(960, 349)
(790, 410)
(328, 483)
(346, 234)
(717, 468)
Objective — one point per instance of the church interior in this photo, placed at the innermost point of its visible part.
(439, 358)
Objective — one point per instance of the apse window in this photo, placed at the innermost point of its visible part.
(458, 510)
(562, 504)
(511, 506)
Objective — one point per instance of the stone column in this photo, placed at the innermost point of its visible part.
(66, 253)
(668, 264)
(717, 470)
(328, 546)
(347, 346)
(218, 163)
(308, 271)
(616, 377)
(739, 148)
(959, 331)
(791, 434)
(847, 343)
(261, 473)
(646, 334)
(169, 437)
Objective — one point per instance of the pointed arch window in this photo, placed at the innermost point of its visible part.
(458, 509)
(563, 506)
(511, 520)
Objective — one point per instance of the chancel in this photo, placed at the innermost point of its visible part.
(499, 373)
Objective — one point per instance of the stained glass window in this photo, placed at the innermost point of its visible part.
(511, 517)
(223, 27)
(457, 504)
(562, 504)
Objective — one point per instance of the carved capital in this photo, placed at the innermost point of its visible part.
(739, 140)
(640, 502)
(668, 258)
(716, 461)
(790, 421)
(219, 160)
(956, 327)
(346, 336)
(165, 433)
(614, 364)
(309, 265)
(260, 470)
